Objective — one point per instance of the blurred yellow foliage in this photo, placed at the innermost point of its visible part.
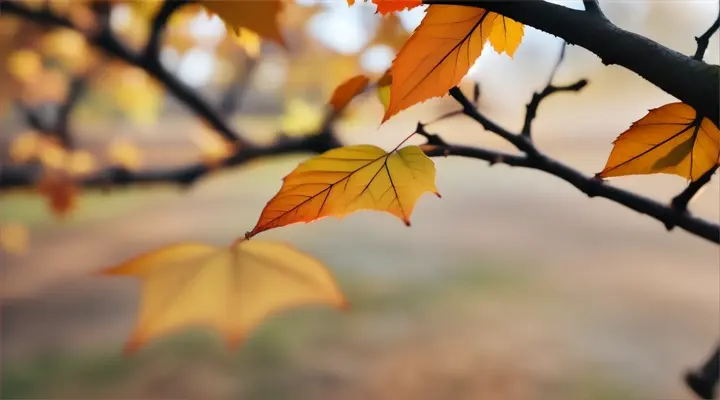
(302, 117)
(68, 47)
(124, 153)
(213, 147)
(25, 65)
(14, 238)
(25, 146)
(81, 162)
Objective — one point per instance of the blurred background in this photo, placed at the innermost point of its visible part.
(514, 285)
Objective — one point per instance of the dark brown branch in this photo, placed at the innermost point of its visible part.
(704, 380)
(703, 41)
(681, 201)
(691, 81)
(593, 7)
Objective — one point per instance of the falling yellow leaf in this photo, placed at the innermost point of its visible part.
(231, 289)
(14, 238)
(301, 117)
(671, 140)
(347, 91)
(349, 179)
(260, 17)
(124, 153)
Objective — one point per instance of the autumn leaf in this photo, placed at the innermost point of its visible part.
(260, 17)
(388, 6)
(60, 190)
(670, 139)
(383, 89)
(347, 91)
(349, 179)
(438, 55)
(506, 35)
(231, 289)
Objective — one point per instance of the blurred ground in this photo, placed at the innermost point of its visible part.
(512, 286)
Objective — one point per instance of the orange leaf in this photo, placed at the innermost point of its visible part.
(61, 192)
(232, 289)
(349, 179)
(438, 55)
(260, 17)
(670, 139)
(387, 6)
(347, 91)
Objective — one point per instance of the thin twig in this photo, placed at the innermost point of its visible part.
(549, 89)
(682, 200)
(703, 41)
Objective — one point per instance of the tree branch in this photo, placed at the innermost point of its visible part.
(682, 200)
(593, 7)
(703, 41)
(691, 81)
(157, 28)
(550, 89)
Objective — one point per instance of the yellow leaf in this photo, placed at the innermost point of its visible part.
(438, 55)
(14, 238)
(124, 153)
(349, 179)
(668, 140)
(506, 35)
(347, 91)
(260, 17)
(383, 89)
(231, 289)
